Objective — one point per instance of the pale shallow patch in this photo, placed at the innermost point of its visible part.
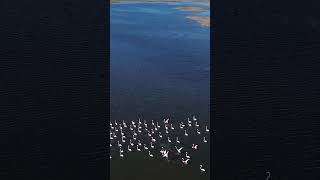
(191, 9)
(204, 21)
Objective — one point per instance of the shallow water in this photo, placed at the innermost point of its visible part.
(159, 68)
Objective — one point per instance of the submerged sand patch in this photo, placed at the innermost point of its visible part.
(172, 1)
(203, 20)
(191, 9)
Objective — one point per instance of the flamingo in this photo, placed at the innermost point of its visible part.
(204, 140)
(145, 147)
(194, 146)
(177, 140)
(151, 155)
(187, 156)
(202, 169)
(197, 125)
(179, 150)
(160, 135)
(185, 162)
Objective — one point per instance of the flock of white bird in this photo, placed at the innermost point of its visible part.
(140, 136)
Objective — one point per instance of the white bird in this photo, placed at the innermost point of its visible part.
(138, 148)
(194, 146)
(169, 141)
(197, 125)
(185, 133)
(119, 144)
(129, 149)
(172, 128)
(202, 169)
(207, 130)
(185, 162)
(198, 132)
(166, 154)
(153, 140)
(131, 143)
(145, 147)
(204, 140)
(162, 150)
(194, 118)
(179, 150)
(151, 145)
(177, 140)
(187, 156)
(139, 143)
(151, 155)
(121, 155)
(160, 135)
(166, 121)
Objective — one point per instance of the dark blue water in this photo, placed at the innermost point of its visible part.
(159, 68)
(159, 63)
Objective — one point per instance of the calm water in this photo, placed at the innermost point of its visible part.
(159, 68)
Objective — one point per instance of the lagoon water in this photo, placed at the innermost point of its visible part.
(159, 68)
